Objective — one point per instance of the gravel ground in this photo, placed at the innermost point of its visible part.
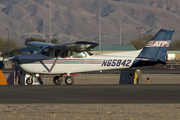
(90, 112)
(96, 111)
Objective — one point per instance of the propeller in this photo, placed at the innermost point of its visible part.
(14, 59)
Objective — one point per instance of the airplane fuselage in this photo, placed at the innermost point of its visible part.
(38, 63)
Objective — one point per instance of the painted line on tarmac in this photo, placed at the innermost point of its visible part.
(55, 90)
(134, 89)
(16, 90)
(95, 89)
(171, 89)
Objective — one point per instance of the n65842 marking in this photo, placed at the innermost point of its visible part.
(115, 62)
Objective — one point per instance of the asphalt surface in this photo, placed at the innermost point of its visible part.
(92, 93)
(89, 94)
(147, 70)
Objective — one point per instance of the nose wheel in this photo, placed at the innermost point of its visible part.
(29, 81)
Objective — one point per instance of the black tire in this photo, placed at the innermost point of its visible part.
(57, 80)
(69, 80)
(29, 81)
(41, 82)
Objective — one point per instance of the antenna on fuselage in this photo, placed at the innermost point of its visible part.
(69, 40)
(75, 40)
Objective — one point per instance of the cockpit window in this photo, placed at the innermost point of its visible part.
(47, 52)
(65, 54)
(76, 54)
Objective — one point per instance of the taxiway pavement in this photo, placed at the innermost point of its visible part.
(88, 94)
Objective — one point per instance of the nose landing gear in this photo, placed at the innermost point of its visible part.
(32, 80)
(29, 81)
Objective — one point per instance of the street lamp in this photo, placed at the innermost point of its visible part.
(139, 28)
(8, 41)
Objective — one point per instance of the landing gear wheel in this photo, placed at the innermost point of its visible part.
(57, 80)
(69, 80)
(29, 81)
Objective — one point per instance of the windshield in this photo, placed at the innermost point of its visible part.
(76, 54)
(89, 53)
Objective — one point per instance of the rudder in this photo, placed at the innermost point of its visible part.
(157, 48)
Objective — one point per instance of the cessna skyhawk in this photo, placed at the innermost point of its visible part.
(74, 57)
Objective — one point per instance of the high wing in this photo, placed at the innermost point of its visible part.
(39, 44)
(75, 46)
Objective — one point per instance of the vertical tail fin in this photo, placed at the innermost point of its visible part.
(157, 48)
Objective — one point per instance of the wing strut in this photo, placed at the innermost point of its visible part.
(56, 60)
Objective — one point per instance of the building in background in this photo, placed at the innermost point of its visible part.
(105, 49)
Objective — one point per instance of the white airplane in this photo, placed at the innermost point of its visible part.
(74, 58)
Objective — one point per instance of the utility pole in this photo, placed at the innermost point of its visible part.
(139, 28)
(8, 41)
(99, 27)
(50, 37)
(43, 31)
(120, 33)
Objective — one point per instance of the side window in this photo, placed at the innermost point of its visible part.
(56, 53)
(76, 54)
(65, 54)
(47, 52)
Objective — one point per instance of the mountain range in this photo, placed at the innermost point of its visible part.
(79, 19)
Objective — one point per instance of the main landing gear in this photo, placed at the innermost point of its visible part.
(69, 80)
(57, 80)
